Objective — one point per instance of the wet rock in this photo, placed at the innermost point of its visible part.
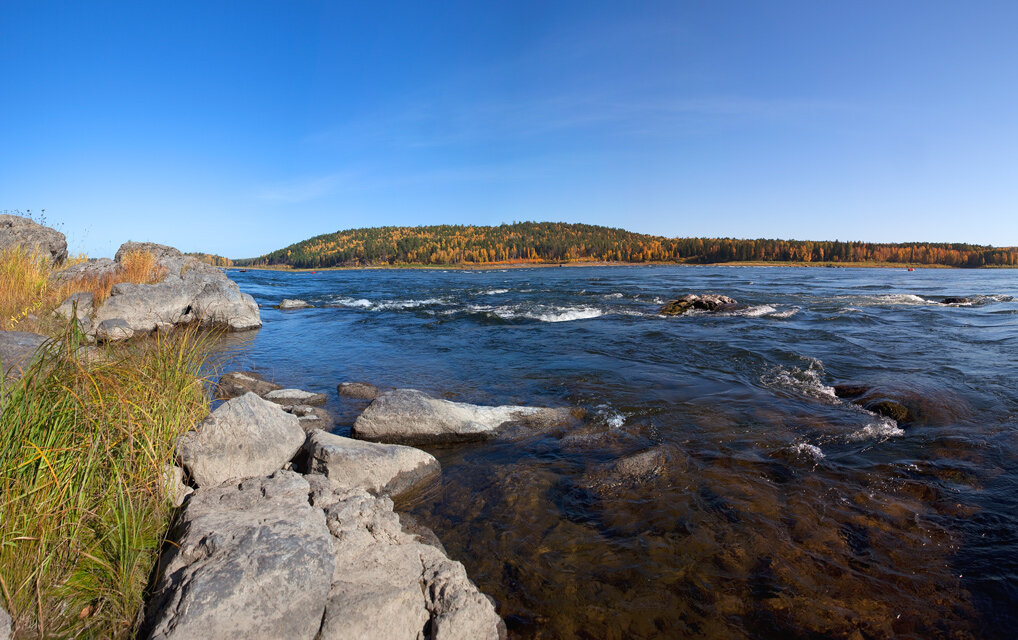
(252, 561)
(411, 417)
(377, 468)
(17, 349)
(388, 585)
(635, 470)
(956, 301)
(292, 397)
(311, 418)
(243, 438)
(849, 391)
(890, 409)
(421, 533)
(6, 625)
(906, 405)
(691, 301)
(16, 231)
(236, 383)
(293, 304)
(359, 390)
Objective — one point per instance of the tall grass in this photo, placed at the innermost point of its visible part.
(84, 448)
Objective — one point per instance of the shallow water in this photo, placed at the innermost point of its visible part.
(773, 510)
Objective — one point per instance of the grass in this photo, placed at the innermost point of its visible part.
(84, 447)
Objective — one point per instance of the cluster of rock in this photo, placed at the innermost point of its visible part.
(33, 238)
(190, 292)
(306, 406)
(698, 302)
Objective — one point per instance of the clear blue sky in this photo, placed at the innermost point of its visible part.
(242, 127)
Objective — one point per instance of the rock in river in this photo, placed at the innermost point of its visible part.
(293, 304)
(691, 301)
(359, 390)
(30, 236)
(292, 397)
(243, 438)
(252, 560)
(389, 469)
(409, 416)
(237, 383)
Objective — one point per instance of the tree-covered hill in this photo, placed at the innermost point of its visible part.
(537, 242)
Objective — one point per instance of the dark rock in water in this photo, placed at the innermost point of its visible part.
(17, 349)
(905, 405)
(30, 236)
(236, 383)
(851, 390)
(691, 301)
(956, 301)
(359, 390)
(890, 409)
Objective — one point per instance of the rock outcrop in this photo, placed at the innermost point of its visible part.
(409, 416)
(252, 560)
(691, 301)
(191, 291)
(358, 390)
(243, 438)
(380, 469)
(236, 383)
(293, 304)
(17, 349)
(32, 237)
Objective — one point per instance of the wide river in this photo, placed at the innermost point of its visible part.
(771, 508)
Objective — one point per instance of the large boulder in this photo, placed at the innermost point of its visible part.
(691, 301)
(390, 586)
(93, 269)
(237, 383)
(243, 438)
(191, 291)
(389, 469)
(17, 349)
(411, 417)
(252, 561)
(16, 231)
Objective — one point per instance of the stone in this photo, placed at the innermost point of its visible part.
(311, 418)
(252, 560)
(80, 307)
(17, 350)
(634, 470)
(6, 625)
(380, 469)
(113, 330)
(691, 301)
(956, 301)
(359, 390)
(294, 397)
(91, 269)
(30, 236)
(388, 585)
(176, 490)
(243, 438)
(890, 409)
(409, 416)
(237, 383)
(293, 304)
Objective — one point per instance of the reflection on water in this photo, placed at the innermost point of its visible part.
(718, 487)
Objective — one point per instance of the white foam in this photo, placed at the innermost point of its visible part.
(806, 381)
(495, 292)
(755, 312)
(880, 430)
(359, 303)
(565, 315)
(613, 295)
(787, 313)
(809, 450)
(613, 418)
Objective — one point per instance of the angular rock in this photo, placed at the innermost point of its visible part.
(160, 252)
(387, 469)
(409, 416)
(691, 301)
(252, 561)
(92, 269)
(359, 390)
(311, 418)
(79, 306)
(292, 397)
(237, 383)
(177, 491)
(245, 437)
(17, 350)
(293, 304)
(113, 330)
(388, 585)
(6, 625)
(16, 231)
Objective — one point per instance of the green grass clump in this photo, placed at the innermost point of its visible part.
(85, 439)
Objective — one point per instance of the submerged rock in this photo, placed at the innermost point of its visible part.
(252, 561)
(388, 469)
(905, 405)
(635, 470)
(359, 390)
(292, 397)
(17, 350)
(16, 231)
(236, 383)
(411, 417)
(293, 304)
(243, 438)
(691, 301)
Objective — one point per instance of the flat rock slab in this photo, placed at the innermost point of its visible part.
(293, 304)
(292, 397)
(411, 417)
(245, 437)
(359, 390)
(252, 561)
(17, 349)
(388, 469)
(236, 383)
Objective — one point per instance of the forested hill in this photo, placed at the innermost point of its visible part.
(538, 242)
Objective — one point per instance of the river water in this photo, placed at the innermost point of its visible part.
(772, 509)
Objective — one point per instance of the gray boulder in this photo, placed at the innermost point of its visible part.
(6, 625)
(291, 397)
(243, 438)
(17, 349)
(293, 304)
(311, 418)
(359, 390)
(377, 468)
(161, 252)
(388, 585)
(113, 330)
(16, 231)
(237, 383)
(79, 306)
(252, 561)
(92, 269)
(691, 301)
(409, 416)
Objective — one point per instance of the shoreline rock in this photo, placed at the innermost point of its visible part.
(357, 390)
(290, 397)
(29, 235)
(236, 383)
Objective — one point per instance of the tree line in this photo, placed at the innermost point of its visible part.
(551, 242)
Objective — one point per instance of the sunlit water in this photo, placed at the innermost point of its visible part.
(780, 511)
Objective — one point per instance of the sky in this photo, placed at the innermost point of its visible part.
(238, 128)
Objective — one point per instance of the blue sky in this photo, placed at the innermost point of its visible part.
(239, 128)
